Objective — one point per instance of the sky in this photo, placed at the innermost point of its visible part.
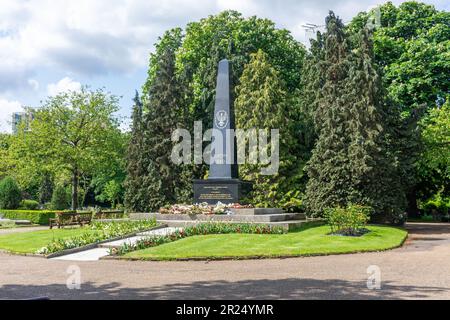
(50, 46)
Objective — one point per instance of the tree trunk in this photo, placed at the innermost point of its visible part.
(75, 189)
(413, 210)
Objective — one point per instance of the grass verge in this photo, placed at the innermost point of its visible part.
(302, 242)
(30, 242)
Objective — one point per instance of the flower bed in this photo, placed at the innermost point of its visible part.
(202, 208)
(98, 232)
(200, 229)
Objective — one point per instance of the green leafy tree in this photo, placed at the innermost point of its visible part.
(112, 192)
(10, 194)
(230, 35)
(74, 133)
(412, 45)
(434, 164)
(436, 135)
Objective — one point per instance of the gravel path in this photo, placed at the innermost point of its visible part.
(419, 270)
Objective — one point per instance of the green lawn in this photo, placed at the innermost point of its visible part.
(312, 241)
(30, 242)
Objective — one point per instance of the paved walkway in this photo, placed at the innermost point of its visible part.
(21, 230)
(103, 250)
(419, 270)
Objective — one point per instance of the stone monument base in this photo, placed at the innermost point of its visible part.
(226, 191)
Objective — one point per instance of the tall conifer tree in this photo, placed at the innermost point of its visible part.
(329, 169)
(374, 171)
(261, 104)
(134, 199)
(354, 158)
(165, 114)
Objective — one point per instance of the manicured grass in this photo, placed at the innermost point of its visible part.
(312, 241)
(30, 242)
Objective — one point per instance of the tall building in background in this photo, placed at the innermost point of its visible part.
(22, 117)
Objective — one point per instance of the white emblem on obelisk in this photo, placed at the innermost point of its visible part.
(221, 119)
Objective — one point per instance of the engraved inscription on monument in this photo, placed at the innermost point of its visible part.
(216, 192)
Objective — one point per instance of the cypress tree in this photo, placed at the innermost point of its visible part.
(46, 188)
(165, 113)
(329, 169)
(134, 199)
(354, 160)
(261, 104)
(374, 173)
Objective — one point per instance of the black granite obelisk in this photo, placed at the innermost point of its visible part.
(223, 184)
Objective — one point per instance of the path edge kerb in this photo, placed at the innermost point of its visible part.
(95, 245)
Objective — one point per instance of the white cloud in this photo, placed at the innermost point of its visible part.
(63, 85)
(6, 110)
(34, 84)
(85, 38)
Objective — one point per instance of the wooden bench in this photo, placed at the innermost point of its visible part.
(110, 214)
(63, 219)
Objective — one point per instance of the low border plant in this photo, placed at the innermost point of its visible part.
(97, 232)
(199, 229)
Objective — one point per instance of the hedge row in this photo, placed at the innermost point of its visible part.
(36, 217)
(40, 216)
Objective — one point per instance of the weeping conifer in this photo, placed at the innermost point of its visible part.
(329, 168)
(354, 158)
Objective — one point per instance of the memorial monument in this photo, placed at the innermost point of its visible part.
(223, 184)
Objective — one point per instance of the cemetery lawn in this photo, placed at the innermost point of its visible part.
(302, 242)
(30, 242)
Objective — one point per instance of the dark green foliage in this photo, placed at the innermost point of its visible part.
(134, 199)
(60, 198)
(329, 174)
(40, 217)
(412, 46)
(46, 189)
(164, 114)
(354, 160)
(10, 194)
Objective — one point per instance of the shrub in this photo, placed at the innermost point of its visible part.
(60, 200)
(292, 201)
(348, 221)
(438, 203)
(36, 217)
(10, 194)
(29, 205)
